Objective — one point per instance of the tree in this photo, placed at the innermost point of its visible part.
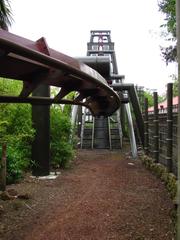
(61, 129)
(168, 7)
(15, 130)
(5, 14)
(175, 85)
(149, 96)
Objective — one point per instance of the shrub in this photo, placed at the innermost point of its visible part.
(16, 130)
(61, 133)
(161, 171)
(19, 136)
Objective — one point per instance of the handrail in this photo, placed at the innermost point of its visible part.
(109, 133)
(119, 128)
(82, 127)
(93, 122)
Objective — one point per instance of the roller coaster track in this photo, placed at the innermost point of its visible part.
(35, 64)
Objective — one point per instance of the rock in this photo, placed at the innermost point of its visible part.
(12, 192)
(6, 196)
(24, 196)
(175, 202)
(18, 204)
(1, 209)
(132, 164)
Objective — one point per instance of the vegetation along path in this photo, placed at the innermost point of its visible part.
(105, 195)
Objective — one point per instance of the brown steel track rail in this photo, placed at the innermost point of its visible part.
(35, 64)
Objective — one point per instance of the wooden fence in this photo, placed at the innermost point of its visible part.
(161, 131)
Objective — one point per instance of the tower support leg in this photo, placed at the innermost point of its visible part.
(131, 131)
(74, 114)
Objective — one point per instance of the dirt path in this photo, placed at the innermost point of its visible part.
(102, 197)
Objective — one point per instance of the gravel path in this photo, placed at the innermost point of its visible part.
(106, 195)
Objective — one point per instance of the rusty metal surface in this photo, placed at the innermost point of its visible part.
(35, 63)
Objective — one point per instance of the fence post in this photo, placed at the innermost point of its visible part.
(169, 127)
(178, 146)
(3, 168)
(146, 127)
(156, 128)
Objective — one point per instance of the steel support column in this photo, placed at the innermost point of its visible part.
(41, 144)
(135, 104)
(131, 131)
(79, 120)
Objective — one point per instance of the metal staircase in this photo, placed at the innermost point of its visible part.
(115, 131)
(87, 130)
(101, 132)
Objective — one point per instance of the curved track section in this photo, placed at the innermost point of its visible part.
(35, 63)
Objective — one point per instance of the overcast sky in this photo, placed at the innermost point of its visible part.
(135, 30)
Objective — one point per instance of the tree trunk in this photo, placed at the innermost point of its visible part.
(178, 53)
(3, 169)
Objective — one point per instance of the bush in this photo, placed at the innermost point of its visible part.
(61, 134)
(16, 130)
(19, 136)
(161, 171)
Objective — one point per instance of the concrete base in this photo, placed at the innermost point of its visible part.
(51, 176)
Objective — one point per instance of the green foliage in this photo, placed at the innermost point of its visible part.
(18, 135)
(160, 170)
(16, 130)
(175, 85)
(175, 88)
(149, 96)
(169, 53)
(171, 185)
(62, 134)
(3, 126)
(61, 131)
(140, 95)
(18, 159)
(146, 93)
(10, 87)
(5, 14)
(168, 8)
(70, 96)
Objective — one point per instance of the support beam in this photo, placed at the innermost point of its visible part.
(38, 100)
(135, 104)
(41, 144)
(74, 112)
(100, 63)
(137, 112)
(79, 121)
(131, 131)
(34, 62)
